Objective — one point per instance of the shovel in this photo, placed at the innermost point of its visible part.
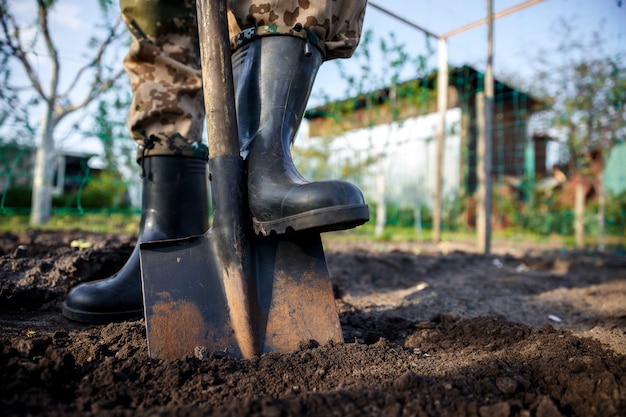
(230, 291)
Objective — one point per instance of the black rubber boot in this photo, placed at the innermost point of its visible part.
(273, 77)
(174, 204)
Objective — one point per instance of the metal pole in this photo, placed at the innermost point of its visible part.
(442, 107)
(484, 20)
(402, 19)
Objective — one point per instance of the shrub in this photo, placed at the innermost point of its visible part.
(18, 196)
(104, 191)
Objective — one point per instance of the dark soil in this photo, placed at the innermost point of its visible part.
(429, 332)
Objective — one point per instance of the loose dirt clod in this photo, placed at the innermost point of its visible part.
(427, 335)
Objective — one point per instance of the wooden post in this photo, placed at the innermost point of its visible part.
(601, 206)
(482, 223)
(217, 77)
(579, 214)
(485, 140)
(381, 202)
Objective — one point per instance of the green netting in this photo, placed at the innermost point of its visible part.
(76, 188)
(533, 184)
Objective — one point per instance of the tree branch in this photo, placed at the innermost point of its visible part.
(14, 43)
(113, 35)
(43, 23)
(97, 88)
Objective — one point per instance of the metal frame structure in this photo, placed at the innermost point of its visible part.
(486, 118)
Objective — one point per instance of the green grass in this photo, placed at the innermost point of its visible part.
(504, 238)
(127, 221)
(99, 222)
(397, 234)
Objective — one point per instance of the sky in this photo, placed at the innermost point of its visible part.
(518, 38)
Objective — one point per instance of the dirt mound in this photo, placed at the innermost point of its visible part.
(429, 335)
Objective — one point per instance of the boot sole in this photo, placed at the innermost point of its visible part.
(320, 220)
(100, 318)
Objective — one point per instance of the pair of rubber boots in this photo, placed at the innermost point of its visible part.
(273, 77)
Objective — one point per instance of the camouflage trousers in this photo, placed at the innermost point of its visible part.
(166, 116)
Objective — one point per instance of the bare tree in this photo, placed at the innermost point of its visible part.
(58, 101)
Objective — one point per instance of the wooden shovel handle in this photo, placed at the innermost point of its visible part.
(217, 78)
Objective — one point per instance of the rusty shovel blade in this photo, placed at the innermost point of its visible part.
(184, 300)
(295, 295)
(187, 305)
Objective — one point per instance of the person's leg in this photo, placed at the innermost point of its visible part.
(166, 119)
(166, 116)
(336, 24)
(278, 52)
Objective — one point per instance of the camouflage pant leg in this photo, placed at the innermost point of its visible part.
(336, 23)
(167, 111)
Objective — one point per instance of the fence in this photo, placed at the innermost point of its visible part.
(77, 188)
(388, 148)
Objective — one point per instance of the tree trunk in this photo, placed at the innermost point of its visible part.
(42, 177)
